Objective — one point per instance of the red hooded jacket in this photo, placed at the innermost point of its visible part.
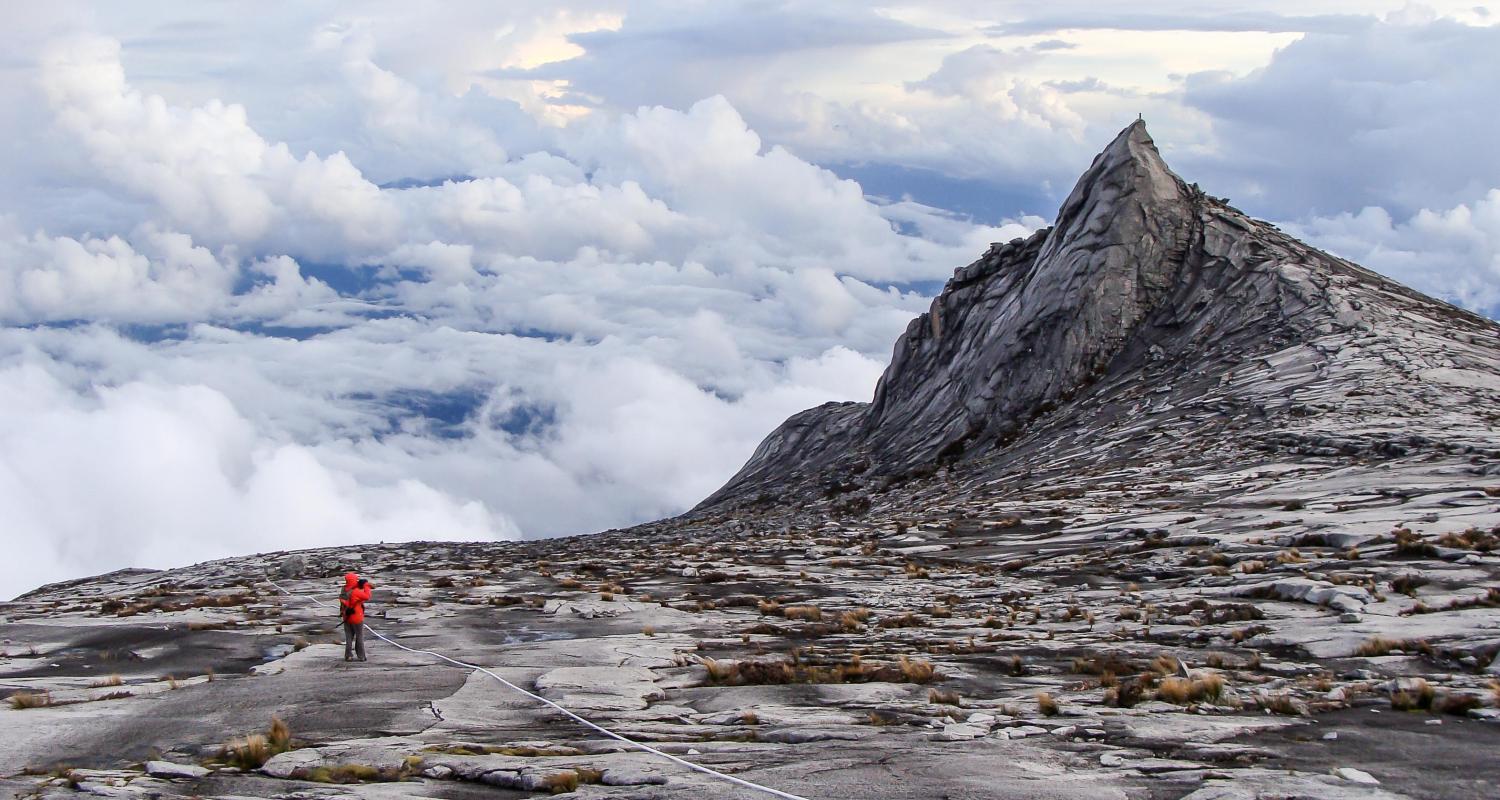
(352, 599)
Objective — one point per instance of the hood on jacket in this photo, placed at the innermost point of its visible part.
(350, 578)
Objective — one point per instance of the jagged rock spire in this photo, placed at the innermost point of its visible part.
(1002, 347)
(1145, 296)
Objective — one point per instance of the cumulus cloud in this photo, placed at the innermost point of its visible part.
(534, 270)
(160, 277)
(1389, 114)
(205, 167)
(1453, 254)
(150, 474)
(591, 336)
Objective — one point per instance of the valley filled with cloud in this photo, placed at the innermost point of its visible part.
(358, 273)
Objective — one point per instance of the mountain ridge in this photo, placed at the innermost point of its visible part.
(1141, 276)
(1251, 496)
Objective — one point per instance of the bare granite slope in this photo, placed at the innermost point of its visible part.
(1158, 504)
(1147, 299)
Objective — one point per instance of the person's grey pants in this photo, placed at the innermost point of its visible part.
(354, 640)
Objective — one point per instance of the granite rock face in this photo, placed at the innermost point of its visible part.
(1157, 503)
(1146, 296)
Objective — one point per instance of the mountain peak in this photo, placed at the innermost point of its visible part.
(1147, 298)
(1130, 167)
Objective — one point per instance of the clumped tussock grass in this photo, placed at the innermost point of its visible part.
(23, 700)
(1471, 539)
(907, 620)
(254, 750)
(351, 773)
(1046, 704)
(764, 672)
(1290, 556)
(916, 671)
(1457, 704)
(248, 752)
(1105, 662)
(1124, 695)
(1283, 704)
(805, 613)
(113, 680)
(1419, 696)
(1379, 646)
(853, 621)
(1411, 544)
(943, 697)
(561, 782)
(1190, 690)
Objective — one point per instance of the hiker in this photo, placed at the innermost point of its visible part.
(352, 611)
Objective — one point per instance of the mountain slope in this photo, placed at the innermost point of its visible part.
(1148, 299)
(1156, 503)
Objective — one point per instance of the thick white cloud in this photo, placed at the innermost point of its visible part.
(639, 269)
(159, 277)
(205, 167)
(1453, 254)
(154, 474)
(1394, 114)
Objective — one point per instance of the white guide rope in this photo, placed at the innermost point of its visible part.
(580, 720)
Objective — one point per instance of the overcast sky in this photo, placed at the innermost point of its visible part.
(323, 273)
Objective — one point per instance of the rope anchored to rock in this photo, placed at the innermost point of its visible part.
(682, 762)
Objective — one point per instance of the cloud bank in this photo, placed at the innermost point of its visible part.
(325, 277)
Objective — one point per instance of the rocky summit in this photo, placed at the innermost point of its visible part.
(1156, 503)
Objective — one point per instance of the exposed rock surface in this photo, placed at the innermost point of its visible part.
(1221, 523)
(1149, 316)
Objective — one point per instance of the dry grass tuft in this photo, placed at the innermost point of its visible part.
(648, 630)
(916, 671)
(943, 697)
(561, 782)
(1456, 704)
(22, 700)
(250, 752)
(718, 671)
(805, 613)
(254, 750)
(1283, 704)
(113, 680)
(1046, 704)
(1379, 646)
(1420, 696)
(1184, 690)
(853, 621)
(280, 735)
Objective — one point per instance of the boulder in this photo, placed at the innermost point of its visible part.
(167, 769)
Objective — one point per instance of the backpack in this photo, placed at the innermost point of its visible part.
(345, 607)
